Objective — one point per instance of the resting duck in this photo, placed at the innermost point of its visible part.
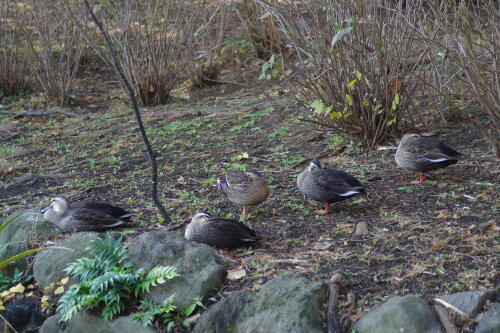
(328, 185)
(85, 216)
(219, 232)
(423, 153)
(244, 188)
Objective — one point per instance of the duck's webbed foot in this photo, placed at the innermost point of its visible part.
(324, 211)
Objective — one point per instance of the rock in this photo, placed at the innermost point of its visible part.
(20, 235)
(287, 303)
(361, 228)
(201, 275)
(490, 323)
(469, 302)
(24, 315)
(85, 322)
(407, 314)
(51, 262)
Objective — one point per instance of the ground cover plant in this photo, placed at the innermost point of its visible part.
(429, 239)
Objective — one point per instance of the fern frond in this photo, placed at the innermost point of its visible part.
(157, 275)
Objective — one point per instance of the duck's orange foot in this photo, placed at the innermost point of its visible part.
(421, 177)
(324, 211)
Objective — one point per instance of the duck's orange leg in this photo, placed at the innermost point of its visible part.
(421, 177)
(244, 213)
(324, 211)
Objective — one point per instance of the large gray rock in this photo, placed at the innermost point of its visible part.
(21, 235)
(408, 314)
(201, 275)
(469, 302)
(87, 323)
(490, 323)
(290, 303)
(50, 263)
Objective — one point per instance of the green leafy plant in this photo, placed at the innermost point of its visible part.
(167, 312)
(7, 281)
(107, 280)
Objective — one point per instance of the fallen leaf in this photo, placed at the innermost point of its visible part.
(437, 244)
(59, 290)
(18, 288)
(236, 273)
(64, 281)
(242, 156)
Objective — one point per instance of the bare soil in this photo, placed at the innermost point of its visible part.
(430, 239)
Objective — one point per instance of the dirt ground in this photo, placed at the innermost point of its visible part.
(430, 239)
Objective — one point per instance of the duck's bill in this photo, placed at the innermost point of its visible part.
(45, 209)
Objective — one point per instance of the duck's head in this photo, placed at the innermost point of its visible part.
(314, 165)
(57, 207)
(200, 217)
(408, 136)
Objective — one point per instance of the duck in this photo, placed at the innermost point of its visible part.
(88, 216)
(244, 188)
(328, 185)
(423, 154)
(219, 232)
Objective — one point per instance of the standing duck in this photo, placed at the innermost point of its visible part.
(327, 185)
(244, 188)
(422, 154)
(219, 232)
(85, 216)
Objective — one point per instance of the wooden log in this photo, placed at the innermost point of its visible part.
(332, 319)
(444, 316)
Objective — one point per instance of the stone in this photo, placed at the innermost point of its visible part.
(201, 275)
(24, 315)
(490, 323)
(361, 228)
(86, 322)
(469, 302)
(50, 263)
(408, 314)
(20, 235)
(287, 303)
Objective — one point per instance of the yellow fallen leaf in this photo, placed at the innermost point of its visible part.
(45, 299)
(17, 289)
(59, 290)
(64, 281)
(242, 156)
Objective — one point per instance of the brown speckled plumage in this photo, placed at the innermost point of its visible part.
(245, 188)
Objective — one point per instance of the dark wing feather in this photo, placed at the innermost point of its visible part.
(426, 146)
(95, 217)
(114, 211)
(328, 182)
(349, 179)
(232, 233)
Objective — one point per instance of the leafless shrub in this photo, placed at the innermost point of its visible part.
(14, 69)
(469, 34)
(56, 47)
(154, 40)
(261, 27)
(209, 38)
(359, 64)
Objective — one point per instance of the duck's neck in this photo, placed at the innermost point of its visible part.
(52, 216)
